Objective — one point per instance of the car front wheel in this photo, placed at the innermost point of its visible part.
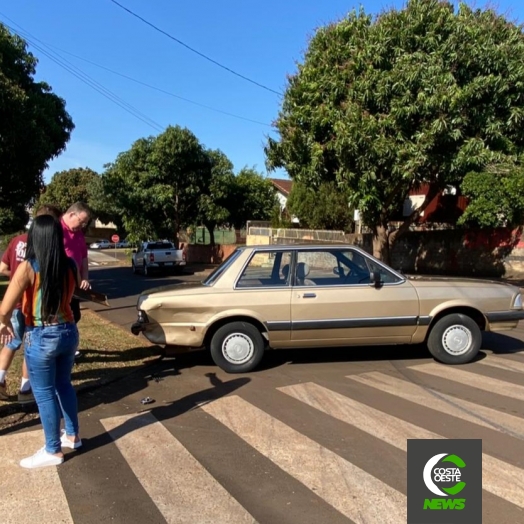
(455, 339)
(237, 347)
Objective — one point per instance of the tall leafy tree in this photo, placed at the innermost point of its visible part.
(416, 96)
(325, 207)
(34, 128)
(69, 186)
(216, 200)
(157, 184)
(252, 197)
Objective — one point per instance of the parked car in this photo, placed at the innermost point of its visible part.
(299, 296)
(122, 243)
(157, 256)
(101, 244)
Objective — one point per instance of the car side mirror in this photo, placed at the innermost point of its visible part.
(376, 278)
(336, 271)
(134, 250)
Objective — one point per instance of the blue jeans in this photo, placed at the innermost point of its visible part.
(18, 321)
(50, 355)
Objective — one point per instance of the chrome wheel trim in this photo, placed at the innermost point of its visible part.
(457, 340)
(238, 348)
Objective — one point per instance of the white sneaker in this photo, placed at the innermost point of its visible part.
(41, 459)
(66, 443)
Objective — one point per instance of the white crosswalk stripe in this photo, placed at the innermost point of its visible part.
(185, 492)
(498, 477)
(28, 495)
(467, 378)
(438, 401)
(180, 487)
(321, 470)
(503, 363)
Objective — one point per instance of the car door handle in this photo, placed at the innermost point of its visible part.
(309, 295)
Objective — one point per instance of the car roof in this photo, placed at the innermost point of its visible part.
(287, 247)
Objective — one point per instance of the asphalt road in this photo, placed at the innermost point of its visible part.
(313, 436)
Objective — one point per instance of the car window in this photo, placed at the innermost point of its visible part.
(337, 267)
(266, 269)
(222, 268)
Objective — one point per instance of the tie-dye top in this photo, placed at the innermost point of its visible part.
(32, 300)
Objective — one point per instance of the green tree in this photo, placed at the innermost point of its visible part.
(216, 201)
(34, 128)
(157, 184)
(69, 186)
(496, 197)
(325, 207)
(102, 205)
(252, 197)
(420, 95)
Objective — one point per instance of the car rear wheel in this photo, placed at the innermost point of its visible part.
(237, 347)
(455, 339)
(145, 270)
(133, 267)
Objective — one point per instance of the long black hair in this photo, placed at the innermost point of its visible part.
(45, 245)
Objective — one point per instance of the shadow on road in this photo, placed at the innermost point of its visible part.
(120, 282)
(138, 378)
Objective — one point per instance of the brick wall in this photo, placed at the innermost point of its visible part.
(201, 254)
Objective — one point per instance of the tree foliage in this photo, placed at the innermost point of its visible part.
(496, 198)
(252, 197)
(69, 186)
(421, 95)
(216, 200)
(157, 184)
(34, 128)
(325, 207)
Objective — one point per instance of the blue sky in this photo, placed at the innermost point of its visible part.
(260, 40)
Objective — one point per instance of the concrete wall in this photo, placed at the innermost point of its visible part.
(495, 253)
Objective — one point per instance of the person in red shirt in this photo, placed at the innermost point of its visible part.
(11, 259)
(74, 220)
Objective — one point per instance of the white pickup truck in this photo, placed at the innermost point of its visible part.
(157, 256)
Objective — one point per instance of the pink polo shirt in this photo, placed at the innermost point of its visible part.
(75, 245)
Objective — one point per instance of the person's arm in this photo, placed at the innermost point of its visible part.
(20, 282)
(84, 275)
(4, 269)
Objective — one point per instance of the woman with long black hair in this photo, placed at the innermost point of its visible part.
(46, 281)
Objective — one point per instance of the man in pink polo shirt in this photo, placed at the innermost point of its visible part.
(73, 221)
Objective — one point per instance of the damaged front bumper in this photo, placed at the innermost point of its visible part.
(140, 325)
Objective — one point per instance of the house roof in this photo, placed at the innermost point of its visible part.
(282, 185)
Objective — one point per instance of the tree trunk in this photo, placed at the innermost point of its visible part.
(177, 222)
(210, 226)
(381, 243)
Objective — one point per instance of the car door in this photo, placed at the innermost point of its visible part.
(263, 290)
(139, 255)
(334, 302)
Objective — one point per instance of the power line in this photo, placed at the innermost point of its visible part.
(85, 78)
(178, 41)
(159, 89)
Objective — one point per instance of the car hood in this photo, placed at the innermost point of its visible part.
(455, 281)
(181, 288)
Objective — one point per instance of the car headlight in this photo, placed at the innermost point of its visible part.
(517, 303)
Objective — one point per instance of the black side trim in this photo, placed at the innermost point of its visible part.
(354, 323)
(505, 316)
(424, 321)
(278, 326)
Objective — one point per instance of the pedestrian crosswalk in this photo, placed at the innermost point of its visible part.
(356, 469)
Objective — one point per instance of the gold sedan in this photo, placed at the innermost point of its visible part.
(299, 296)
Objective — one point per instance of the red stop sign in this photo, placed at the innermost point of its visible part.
(115, 238)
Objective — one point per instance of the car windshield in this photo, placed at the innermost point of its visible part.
(219, 271)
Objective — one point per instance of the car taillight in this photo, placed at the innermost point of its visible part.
(151, 257)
